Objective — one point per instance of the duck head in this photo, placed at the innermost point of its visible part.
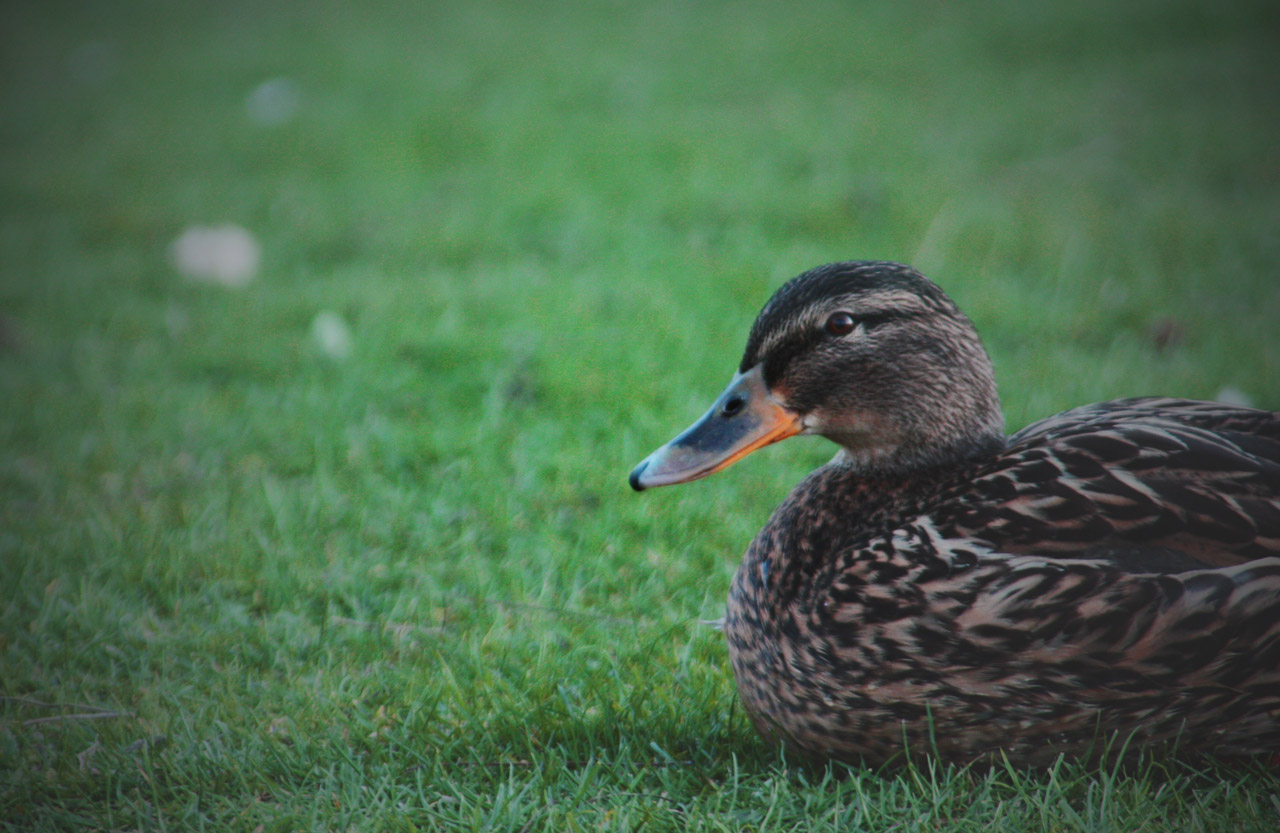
(871, 355)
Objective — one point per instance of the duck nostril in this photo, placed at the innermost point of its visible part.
(732, 405)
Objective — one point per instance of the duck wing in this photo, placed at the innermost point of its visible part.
(1193, 657)
(1152, 485)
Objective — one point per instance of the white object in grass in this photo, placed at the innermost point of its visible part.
(331, 334)
(273, 102)
(226, 255)
(1232, 395)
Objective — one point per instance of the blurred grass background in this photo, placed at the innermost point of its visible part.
(407, 588)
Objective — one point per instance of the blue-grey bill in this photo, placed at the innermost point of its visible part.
(746, 416)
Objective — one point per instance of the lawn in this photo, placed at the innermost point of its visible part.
(251, 579)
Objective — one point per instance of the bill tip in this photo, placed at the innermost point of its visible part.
(634, 479)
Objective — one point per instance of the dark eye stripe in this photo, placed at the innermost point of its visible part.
(875, 319)
(782, 354)
(842, 323)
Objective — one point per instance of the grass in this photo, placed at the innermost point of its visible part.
(410, 589)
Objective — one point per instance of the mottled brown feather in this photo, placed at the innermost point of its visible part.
(913, 612)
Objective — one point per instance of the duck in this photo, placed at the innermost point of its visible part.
(1103, 582)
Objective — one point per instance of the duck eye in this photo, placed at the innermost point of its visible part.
(840, 324)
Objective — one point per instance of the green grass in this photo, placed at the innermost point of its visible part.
(410, 590)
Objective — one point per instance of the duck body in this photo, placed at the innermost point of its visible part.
(1105, 579)
(999, 604)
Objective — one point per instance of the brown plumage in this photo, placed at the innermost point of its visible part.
(1109, 575)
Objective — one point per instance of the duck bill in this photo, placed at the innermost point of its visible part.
(743, 418)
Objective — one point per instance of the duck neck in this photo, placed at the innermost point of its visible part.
(908, 459)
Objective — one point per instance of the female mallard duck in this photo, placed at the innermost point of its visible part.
(1107, 573)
